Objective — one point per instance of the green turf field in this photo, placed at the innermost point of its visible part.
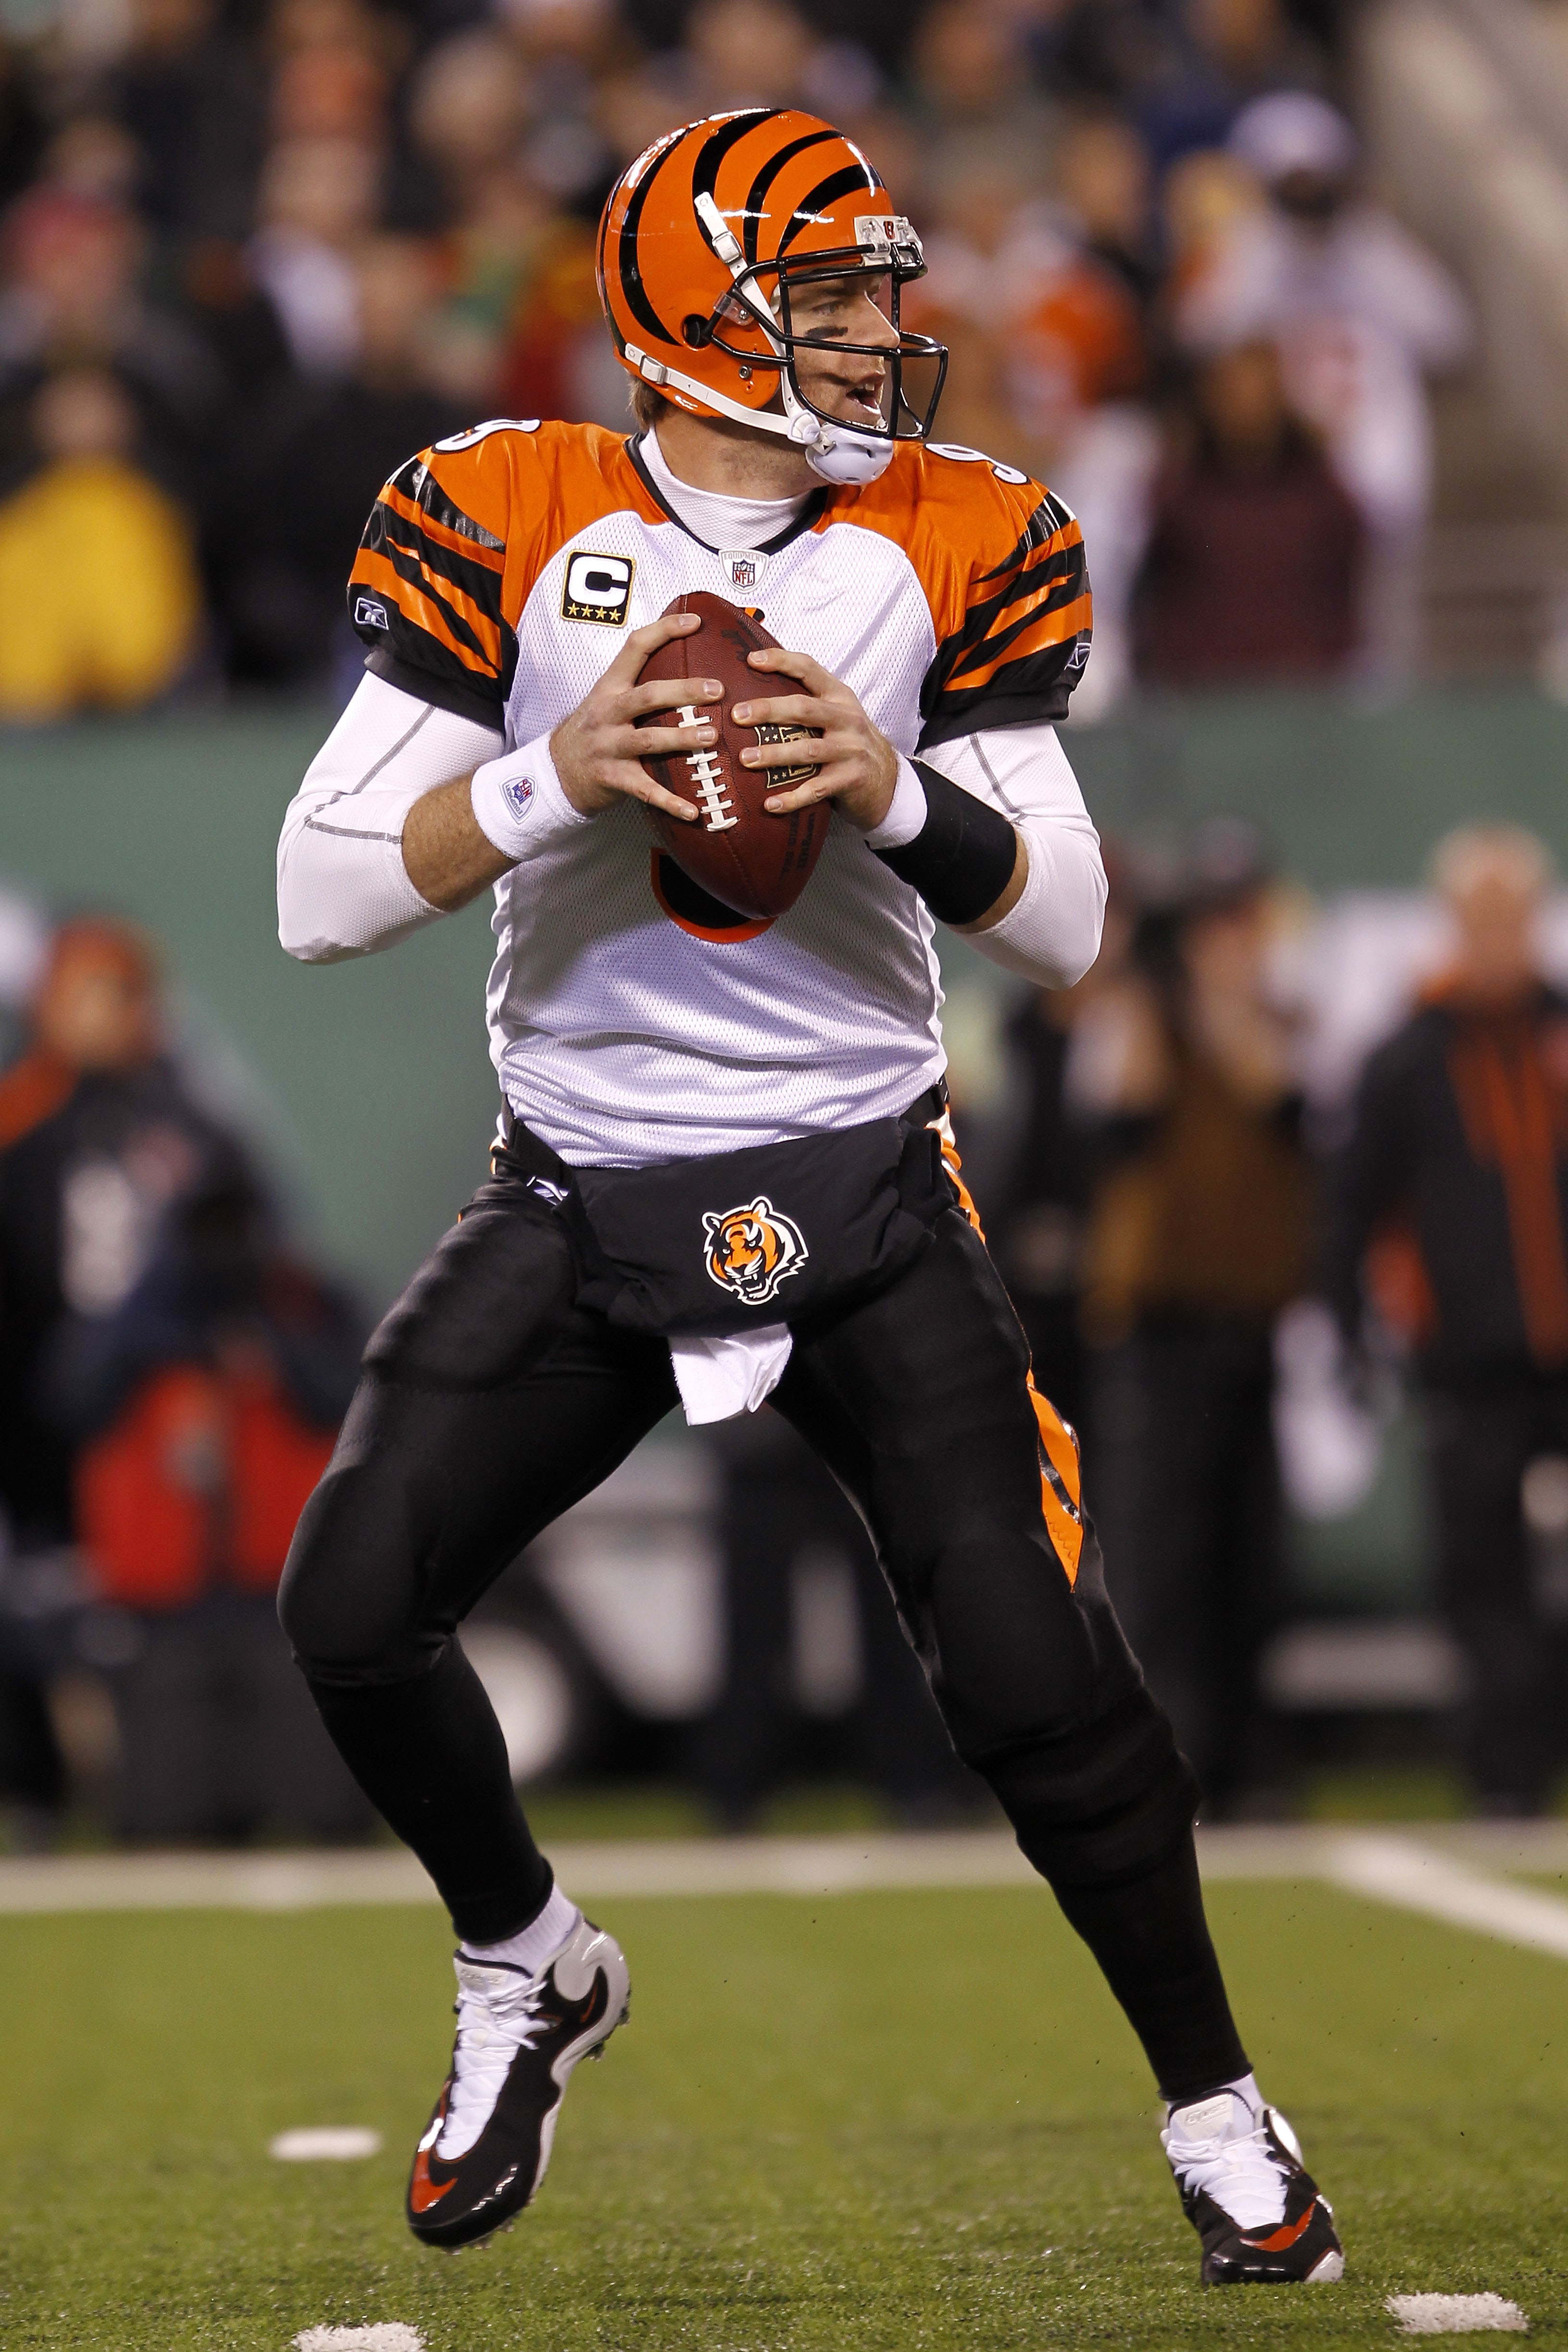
(900, 2121)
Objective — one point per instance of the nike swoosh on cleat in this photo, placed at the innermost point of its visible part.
(422, 2191)
(1279, 2239)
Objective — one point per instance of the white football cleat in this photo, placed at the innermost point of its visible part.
(485, 2151)
(1257, 2211)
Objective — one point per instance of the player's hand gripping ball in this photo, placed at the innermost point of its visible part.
(737, 851)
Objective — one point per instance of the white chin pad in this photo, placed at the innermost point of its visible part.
(835, 452)
(848, 458)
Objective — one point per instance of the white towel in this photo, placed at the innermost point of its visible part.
(720, 1377)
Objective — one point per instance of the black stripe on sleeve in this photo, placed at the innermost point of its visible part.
(1021, 694)
(429, 564)
(452, 689)
(979, 636)
(1049, 517)
(419, 486)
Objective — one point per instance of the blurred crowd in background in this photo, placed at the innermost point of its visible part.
(254, 253)
(1265, 1173)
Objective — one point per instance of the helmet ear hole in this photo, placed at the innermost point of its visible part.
(698, 330)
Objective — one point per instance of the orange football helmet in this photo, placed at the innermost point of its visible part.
(700, 242)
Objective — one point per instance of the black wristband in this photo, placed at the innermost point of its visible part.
(963, 858)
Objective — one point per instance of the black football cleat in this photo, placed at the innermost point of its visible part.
(487, 2146)
(1257, 2209)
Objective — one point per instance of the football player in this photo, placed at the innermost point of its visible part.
(668, 1067)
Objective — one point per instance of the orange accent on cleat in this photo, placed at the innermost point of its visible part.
(1278, 2239)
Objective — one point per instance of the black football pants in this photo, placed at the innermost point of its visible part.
(490, 1403)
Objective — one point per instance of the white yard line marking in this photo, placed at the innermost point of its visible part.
(1416, 1877)
(599, 1870)
(1456, 2314)
(386, 2335)
(184, 1882)
(325, 2144)
(675, 1866)
(787, 1865)
(1434, 1873)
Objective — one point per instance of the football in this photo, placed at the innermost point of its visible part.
(752, 863)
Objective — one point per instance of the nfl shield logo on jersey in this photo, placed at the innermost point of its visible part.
(748, 1250)
(742, 567)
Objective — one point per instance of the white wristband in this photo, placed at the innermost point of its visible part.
(907, 812)
(519, 803)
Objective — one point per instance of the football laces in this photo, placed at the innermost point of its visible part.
(708, 777)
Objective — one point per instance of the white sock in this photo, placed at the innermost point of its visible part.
(537, 1944)
(1245, 2089)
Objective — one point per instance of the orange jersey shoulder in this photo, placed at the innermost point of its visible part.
(1001, 561)
(456, 539)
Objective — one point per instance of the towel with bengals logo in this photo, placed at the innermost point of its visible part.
(721, 1246)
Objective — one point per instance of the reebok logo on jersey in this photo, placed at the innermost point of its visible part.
(598, 588)
(751, 1250)
(370, 612)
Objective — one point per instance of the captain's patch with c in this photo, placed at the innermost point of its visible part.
(598, 588)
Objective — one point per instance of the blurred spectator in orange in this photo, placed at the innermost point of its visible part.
(1254, 561)
(205, 1406)
(98, 574)
(1450, 1215)
(316, 457)
(99, 1133)
(1361, 312)
(1199, 1233)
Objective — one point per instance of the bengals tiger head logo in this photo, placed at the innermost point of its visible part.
(750, 1250)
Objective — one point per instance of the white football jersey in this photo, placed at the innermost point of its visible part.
(633, 1018)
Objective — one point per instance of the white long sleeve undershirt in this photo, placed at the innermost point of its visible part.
(343, 890)
(343, 887)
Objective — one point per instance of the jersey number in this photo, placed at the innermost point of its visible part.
(962, 457)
